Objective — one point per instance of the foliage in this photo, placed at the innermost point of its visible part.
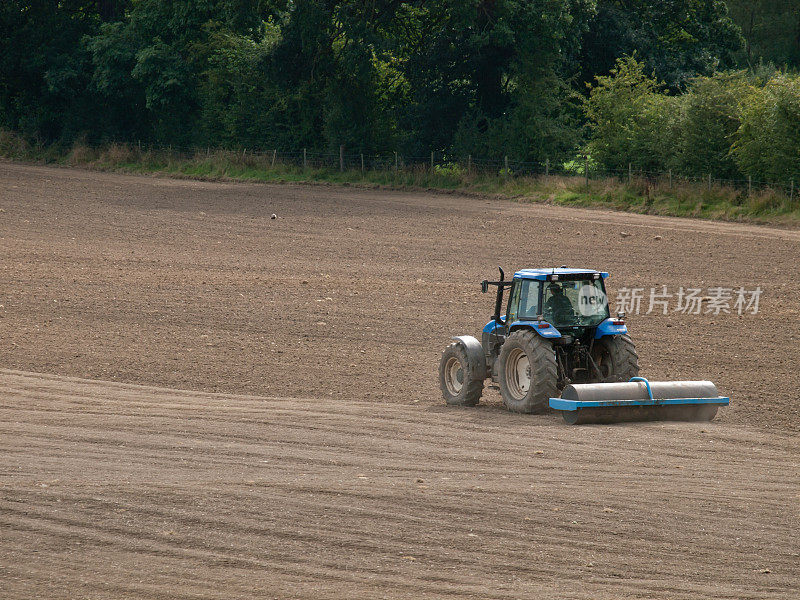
(732, 125)
(238, 103)
(149, 68)
(771, 30)
(708, 121)
(768, 139)
(676, 39)
(43, 78)
(493, 80)
(450, 169)
(631, 122)
(488, 78)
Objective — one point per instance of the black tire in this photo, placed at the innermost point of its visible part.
(460, 381)
(541, 372)
(616, 358)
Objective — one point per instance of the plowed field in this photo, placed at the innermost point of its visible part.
(199, 401)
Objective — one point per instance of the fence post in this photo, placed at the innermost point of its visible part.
(630, 173)
(709, 182)
(670, 179)
(791, 193)
(469, 164)
(395, 162)
(505, 172)
(362, 163)
(274, 156)
(432, 161)
(749, 185)
(547, 168)
(304, 158)
(341, 158)
(586, 170)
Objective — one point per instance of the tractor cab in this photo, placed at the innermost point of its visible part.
(569, 300)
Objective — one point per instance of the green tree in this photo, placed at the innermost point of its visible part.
(676, 39)
(709, 120)
(491, 75)
(240, 106)
(43, 73)
(328, 66)
(486, 77)
(771, 30)
(768, 139)
(630, 120)
(148, 68)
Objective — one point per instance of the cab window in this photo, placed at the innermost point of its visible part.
(524, 302)
(513, 303)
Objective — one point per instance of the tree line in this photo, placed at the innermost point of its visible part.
(690, 85)
(732, 125)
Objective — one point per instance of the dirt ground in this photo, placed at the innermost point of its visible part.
(313, 456)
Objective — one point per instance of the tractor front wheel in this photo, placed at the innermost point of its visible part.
(527, 372)
(461, 381)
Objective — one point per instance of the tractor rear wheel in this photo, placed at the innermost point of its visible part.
(616, 358)
(527, 372)
(461, 382)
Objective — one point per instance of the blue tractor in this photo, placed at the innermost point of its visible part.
(557, 330)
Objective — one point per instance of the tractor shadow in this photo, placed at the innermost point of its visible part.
(491, 411)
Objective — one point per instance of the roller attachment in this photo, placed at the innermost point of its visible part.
(639, 400)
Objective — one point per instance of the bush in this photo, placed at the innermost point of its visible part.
(768, 139)
(117, 153)
(709, 118)
(13, 145)
(450, 169)
(630, 121)
(81, 154)
(731, 125)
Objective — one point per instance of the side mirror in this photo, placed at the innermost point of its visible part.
(484, 286)
(621, 316)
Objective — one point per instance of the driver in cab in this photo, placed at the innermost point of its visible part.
(558, 305)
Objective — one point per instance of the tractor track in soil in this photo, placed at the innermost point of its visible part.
(314, 456)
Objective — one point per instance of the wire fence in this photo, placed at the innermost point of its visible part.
(505, 167)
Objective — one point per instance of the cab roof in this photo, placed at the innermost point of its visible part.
(545, 274)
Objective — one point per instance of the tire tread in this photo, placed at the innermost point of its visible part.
(544, 372)
(624, 357)
(472, 387)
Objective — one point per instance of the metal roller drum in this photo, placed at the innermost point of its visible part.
(639, 400)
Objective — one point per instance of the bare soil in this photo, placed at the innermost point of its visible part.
(314, 456)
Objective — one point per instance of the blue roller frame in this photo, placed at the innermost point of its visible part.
(572, 405)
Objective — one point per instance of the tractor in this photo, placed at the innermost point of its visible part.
(557, 330)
